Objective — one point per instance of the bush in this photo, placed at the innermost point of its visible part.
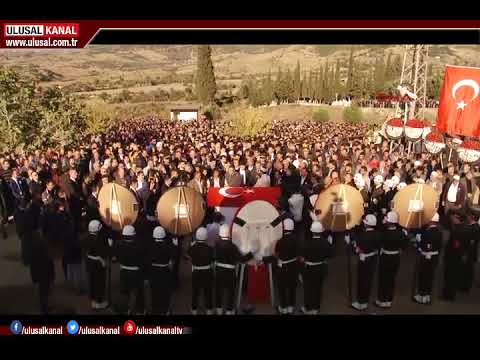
(212, 112)
(321, 115)
(353, 114)
(247, 122)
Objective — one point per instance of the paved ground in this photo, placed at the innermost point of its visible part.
(18, 296)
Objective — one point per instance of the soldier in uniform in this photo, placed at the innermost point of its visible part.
(202, 258)
(97, 251)
(429, 244)
(227, 257)
(287, 252)
(365, 244)
(470, 255)
(162, 253)
(130, 258)
(317, 251)
(393, 241)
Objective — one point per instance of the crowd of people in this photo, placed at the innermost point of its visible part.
(51, 197)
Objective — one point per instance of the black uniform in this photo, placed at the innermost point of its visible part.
(455, 249)
(202, 273)
(429, 248)
(42, 270)
(161, 253)
(316, 253)
(365, 244)
(227, 256)
(393, 240)
(470, 257)
(131, 260)
(287, 252)
(27, 220)
(376, 199)
(97, 252)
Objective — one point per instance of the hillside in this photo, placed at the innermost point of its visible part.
(99, 69)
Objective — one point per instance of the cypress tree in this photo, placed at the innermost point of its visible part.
(350, 73)
(389, 76)
(268, 88)
(205, 79)
(289, 90)
(337, 83)
(296, 82)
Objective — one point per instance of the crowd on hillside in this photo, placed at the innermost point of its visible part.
(50, 195)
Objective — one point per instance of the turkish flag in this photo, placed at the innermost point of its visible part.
(459, 109)
(239, 196)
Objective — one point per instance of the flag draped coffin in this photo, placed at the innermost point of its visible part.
(228, 200)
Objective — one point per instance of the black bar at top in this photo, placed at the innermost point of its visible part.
(284, 36)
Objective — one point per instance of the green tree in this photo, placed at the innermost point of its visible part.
(350, 72)
(297, 82)
(277, 88)
(337, 82)
(288, 87)
(206, 87)
(389, 75)
(379, 74)
(268, 88)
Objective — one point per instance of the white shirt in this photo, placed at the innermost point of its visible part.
(452, 193)
(243, 175)
(216, 183)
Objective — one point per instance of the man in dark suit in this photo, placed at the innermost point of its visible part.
(18, 188)
(73, 192)
(454, 195)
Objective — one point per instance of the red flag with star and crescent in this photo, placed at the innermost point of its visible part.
(459, 109)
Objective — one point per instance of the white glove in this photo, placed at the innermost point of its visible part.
(330, 239)
(175, 241)
(103, 262)
(362, 257)
(375, 201)
(384, 211)
(110, 242)
(405, 232)
(418, 237)
(347, 239)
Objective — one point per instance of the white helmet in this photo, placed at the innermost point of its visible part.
(370, 220)
(94, 226)
(288, 224)
(378, 179)
(395, 181)
(417, 164)
(392, 217)
(317, 227)
(401, 185)
(388, 183)
(357, 176)
(159, 233)
(128, 230)
(435, 218)
(201, 234)
(224, 231)
(360, 182)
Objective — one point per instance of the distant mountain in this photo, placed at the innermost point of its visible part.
(144, 65)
